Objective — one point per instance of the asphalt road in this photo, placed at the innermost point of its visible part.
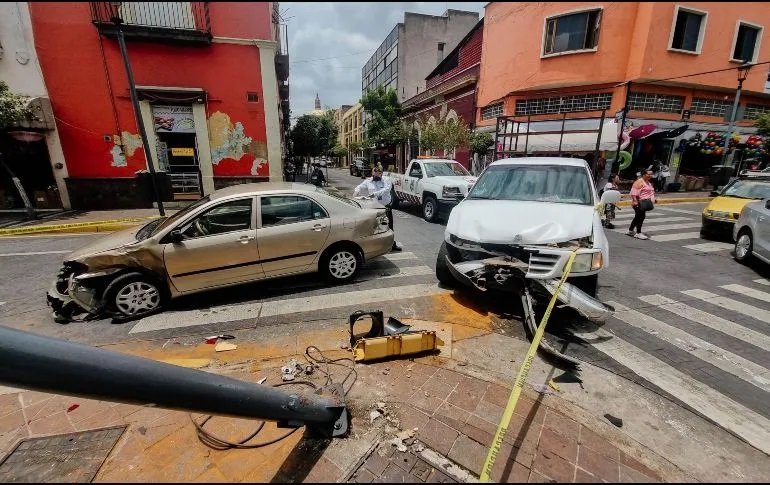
(691, 325)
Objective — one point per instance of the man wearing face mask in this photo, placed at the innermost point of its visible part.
(380, 188)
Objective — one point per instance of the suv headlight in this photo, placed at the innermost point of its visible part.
(587, 262)
(451, 192)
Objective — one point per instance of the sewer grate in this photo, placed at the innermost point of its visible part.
(71, 457)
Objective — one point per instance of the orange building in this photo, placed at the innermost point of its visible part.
(574, 60)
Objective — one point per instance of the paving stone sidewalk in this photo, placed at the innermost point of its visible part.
(454, 416)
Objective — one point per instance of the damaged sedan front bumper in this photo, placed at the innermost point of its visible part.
(510, 274)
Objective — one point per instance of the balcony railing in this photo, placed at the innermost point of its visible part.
(163, 21)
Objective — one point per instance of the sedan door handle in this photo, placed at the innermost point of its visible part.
(246, 239)
(318, 228)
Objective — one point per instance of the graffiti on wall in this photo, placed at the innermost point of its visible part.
(227, 140)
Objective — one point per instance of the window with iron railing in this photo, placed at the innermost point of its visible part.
(660, 103)
(491, 111)
(563, 104)
(710, 107)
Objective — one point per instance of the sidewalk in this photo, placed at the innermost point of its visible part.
(452, 402)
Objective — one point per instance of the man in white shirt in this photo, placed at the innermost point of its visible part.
(380, 188)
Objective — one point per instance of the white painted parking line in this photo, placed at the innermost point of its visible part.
(762, 281)
(399, 256)
(745, 290)
(707, 319)
(675, 237)
(749, 425)
(730, 304)
(246, 311)
(36, 253)
(729, 362)
(709, 247)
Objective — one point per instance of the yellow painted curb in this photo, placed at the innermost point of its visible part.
(693, 200)
(78, 227)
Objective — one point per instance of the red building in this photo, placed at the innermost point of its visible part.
(450, 90)
(211, 84)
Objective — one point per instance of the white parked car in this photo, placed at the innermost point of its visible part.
(752, 232)
(436, 184)
(519, 224)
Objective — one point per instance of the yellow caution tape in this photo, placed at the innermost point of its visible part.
(94, 225)
(502, 428)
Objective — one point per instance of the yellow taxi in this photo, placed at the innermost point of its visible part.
(720, 214)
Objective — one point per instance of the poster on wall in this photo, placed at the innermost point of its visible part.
(173, 119)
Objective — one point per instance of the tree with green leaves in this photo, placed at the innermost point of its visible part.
(480, 143)
(13, 107)
(384, 126)
(763, 124)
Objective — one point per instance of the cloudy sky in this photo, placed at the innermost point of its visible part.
(330, 42)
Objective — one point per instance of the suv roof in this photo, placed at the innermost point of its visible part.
(567, 162)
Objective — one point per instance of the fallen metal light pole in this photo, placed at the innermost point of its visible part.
(46, 364)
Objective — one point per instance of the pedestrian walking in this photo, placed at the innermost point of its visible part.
(609, 209)
(642, 200)
(380, 188)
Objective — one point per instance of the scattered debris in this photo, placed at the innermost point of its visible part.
(542, 389)
(615, 421)
(553, 386)
(73, 407)
(225, 346)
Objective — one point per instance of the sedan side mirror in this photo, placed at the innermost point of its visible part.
(176, 236)
(610, 197)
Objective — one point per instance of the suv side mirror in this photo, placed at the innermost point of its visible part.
(610, 197)
(176, 236)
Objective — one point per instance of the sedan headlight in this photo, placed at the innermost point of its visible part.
(587, 262)
(451, 192)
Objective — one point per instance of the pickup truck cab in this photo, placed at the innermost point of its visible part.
(436, 184)
(521, 221)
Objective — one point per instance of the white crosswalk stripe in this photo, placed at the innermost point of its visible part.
(744, 290)
(709, 247)
(730, 304)
(727, 361)
(737, 418)
(712, 321)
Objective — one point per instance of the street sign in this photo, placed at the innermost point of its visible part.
(182, 152)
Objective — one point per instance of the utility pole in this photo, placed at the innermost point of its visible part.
(743, 72)
(118, 21)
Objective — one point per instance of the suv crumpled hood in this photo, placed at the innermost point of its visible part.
(520, 222)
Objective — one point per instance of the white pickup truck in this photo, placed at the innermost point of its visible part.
(436, 184)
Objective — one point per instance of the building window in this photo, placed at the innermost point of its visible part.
(688, 30)
(573, 32)
(491, 111)
(661, 103)
(753, 111)
(710, 107)
(746, 42)
(563, 104)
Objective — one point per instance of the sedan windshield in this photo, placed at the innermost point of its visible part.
(541, 183)
(444, 169)
(168, 221)
(748, 189)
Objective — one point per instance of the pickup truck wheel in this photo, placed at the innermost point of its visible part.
(743, 246)
(430, 208)
(589, 284)
(443, 274)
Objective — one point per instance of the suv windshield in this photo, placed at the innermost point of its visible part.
(748, 189)
(158, 225)
(440, 169)
(338, 196)
(541, 183)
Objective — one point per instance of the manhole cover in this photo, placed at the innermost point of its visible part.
(72, 457)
